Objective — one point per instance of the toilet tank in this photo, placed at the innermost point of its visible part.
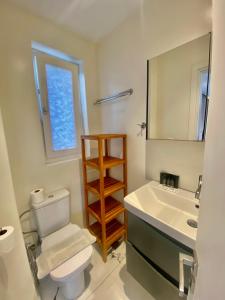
(53, 213)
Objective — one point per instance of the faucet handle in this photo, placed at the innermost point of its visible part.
(200, 179)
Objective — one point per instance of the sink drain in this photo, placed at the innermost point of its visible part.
(192, 223)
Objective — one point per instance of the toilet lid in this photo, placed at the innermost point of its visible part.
(74, 263)
(58, 236)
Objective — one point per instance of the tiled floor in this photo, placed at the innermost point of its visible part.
(120, 285)
(109, 281)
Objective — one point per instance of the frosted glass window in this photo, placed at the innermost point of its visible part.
(61, 107)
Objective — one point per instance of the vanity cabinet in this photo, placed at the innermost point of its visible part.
(153, 259)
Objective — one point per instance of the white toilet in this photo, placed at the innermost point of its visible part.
(53, 222)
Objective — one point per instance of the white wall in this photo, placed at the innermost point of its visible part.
(15, 277)
(20, 109)
(211, 237)
(183, 158)
(158, 27)
(121, 66)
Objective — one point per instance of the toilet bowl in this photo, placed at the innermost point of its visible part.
(69, 276)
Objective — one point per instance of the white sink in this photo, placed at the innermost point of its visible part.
(166, 209)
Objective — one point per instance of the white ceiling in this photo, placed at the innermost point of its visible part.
(93, 19)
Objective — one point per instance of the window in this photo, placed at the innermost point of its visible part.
(61, 108)
(58, 93)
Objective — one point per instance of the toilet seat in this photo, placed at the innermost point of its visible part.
(73, 265)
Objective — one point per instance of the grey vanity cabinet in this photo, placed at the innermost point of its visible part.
(153, 259)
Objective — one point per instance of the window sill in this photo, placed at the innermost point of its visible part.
(59, 161)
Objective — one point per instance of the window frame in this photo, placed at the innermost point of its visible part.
(81, 124)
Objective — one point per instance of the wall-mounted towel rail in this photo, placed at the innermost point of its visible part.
(115, 96)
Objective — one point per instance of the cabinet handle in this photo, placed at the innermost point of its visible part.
(187, 260)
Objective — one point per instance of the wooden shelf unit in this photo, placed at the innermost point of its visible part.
(106, 209)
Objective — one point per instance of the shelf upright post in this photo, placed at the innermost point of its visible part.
(102, 199)
(107, 154)
(85, 181)
(125, 179)
(125, 165)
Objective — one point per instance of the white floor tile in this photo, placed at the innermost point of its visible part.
(120, 285)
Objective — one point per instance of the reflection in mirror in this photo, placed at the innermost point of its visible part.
(178, 92)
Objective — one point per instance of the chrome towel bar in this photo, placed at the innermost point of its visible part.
(115, 96)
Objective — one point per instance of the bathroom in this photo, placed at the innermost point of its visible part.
(110, 46)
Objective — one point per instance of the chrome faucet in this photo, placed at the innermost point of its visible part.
(198, 191)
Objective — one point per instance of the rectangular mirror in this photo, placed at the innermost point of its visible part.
(178, 92)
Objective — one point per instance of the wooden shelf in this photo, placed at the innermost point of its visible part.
(108, 162)
(107, 229)
(103, 136)
(113, 208)
(111, 185)
(114, 230)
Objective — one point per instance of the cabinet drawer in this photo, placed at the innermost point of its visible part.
(158, 247)
(149, 278)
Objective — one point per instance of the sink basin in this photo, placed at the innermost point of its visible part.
(167, 209)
